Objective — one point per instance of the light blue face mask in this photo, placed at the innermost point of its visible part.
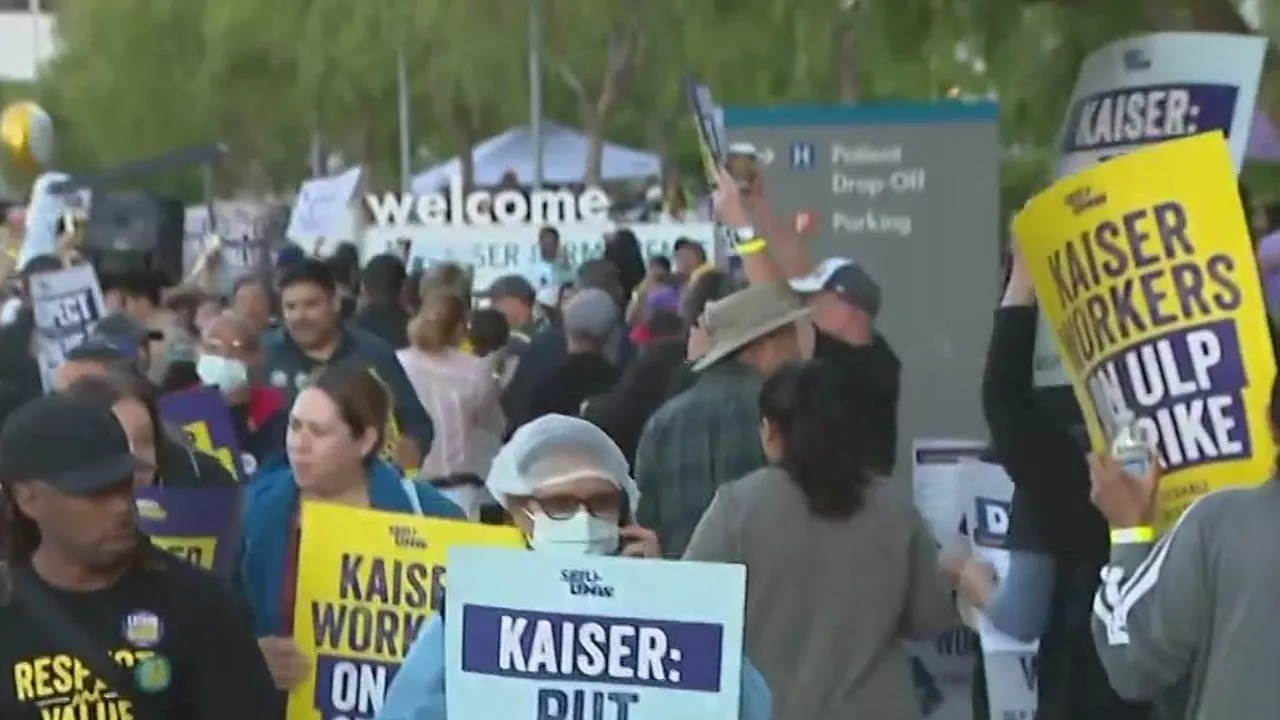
(579, 534)
(227, 374)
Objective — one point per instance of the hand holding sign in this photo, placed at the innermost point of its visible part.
(639, 542)
(1124, 500)
(976, 582)
(728, 201)
(1020, 289)
(287, 665)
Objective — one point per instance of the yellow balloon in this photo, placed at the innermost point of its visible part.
(26, 133)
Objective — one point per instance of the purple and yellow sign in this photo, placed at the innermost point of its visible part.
(1145, 272)
(198, 524)
(205, 418)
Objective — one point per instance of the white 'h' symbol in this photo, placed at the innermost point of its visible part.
(801, 155)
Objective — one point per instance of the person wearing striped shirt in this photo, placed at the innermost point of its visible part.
(1189, 620)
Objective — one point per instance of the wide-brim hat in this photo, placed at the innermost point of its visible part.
(744, 317)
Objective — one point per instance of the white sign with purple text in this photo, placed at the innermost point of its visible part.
(1139, 91)
(538, 636)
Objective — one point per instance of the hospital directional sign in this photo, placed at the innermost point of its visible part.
(911, 191)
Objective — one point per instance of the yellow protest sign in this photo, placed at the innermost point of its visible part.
(367, 582)
(1144, 268)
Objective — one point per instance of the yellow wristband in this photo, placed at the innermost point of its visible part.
(750, 247)
(1133, 535)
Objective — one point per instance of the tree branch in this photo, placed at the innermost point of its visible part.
(571, 79)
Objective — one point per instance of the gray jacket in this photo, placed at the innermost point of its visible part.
(829, 602)
(1198, 609)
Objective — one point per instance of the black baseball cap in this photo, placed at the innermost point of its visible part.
(847, 279)
(114, 335)
(77, 447)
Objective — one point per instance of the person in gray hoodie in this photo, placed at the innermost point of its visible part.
(1194, 611)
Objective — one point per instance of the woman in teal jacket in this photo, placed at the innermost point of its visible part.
(335, 430)
(568, 488)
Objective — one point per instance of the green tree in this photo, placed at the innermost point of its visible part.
(120, 88)
(469, 73)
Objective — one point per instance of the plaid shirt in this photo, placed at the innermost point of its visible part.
(704, 437)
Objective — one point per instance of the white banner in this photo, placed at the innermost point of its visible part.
(494, 251)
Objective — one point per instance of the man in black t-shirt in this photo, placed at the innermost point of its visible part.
(80, 584)
(844, 300)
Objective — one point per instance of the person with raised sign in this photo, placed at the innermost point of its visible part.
(1187, 619)
(335, 430)
(569, 490)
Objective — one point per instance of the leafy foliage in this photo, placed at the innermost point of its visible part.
(138, 77)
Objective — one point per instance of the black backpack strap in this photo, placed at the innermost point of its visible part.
(61, 629)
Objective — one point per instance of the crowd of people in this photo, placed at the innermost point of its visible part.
(660, 407)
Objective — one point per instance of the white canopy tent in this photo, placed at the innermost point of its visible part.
(564, 159)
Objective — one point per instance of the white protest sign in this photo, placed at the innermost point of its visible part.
(541, 636)
(241, 228)
(1010, 664)
(943, 668)
(1137, 92)
(322, 208)
(66, 304)
(494, 251)
(936, 475)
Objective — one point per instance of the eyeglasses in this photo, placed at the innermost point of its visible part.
(562, 507)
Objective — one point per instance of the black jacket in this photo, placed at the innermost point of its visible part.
(623, 411)
(536, 358)
(18, 367)
(1051, 507)
(1033, 438)
(387, 320)
(874, 374)
(566, 386)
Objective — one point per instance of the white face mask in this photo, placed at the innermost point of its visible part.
(580, 534)
(228, 374)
